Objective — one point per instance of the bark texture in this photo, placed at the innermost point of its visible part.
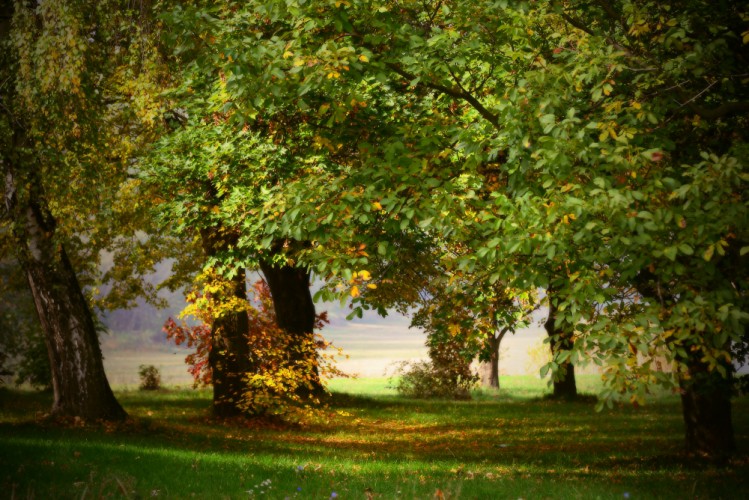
(80, 385)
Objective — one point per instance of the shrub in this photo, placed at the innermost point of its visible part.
(33, 365)
(150, 378)
(425, 380)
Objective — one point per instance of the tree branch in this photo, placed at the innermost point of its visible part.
(724, 110)
(455, 92)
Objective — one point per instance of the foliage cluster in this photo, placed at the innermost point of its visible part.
(284, 370)
(428, 379)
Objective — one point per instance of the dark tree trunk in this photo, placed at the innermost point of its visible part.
(560, 339)
(229, 357)
(705, 395)
(706, 407)
(292, 303)
(80, 385)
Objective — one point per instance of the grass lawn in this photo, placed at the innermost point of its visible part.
(376, 445)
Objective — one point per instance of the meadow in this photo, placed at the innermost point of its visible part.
(375, 444)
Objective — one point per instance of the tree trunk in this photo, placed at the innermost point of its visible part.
(293, 305)
(705, 395)
(706, 407)
(490, 369)
(80, 385)
(560, 340)
(229, 357)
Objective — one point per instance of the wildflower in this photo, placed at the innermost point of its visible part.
(626, 494)
(334, 495)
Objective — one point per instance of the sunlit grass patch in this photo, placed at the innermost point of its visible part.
(496, 446)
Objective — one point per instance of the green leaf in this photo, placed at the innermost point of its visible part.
(686, 249)
(671, 253)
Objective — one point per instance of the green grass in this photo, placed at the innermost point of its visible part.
(510, 445)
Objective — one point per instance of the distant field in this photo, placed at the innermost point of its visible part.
(373, 349)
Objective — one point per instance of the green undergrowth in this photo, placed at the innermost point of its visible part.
(514, 444)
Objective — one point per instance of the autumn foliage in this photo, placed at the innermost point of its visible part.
(285, 366)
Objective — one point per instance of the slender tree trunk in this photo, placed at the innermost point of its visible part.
(560, 340)
(80, 385)
(706, 407)
(229, 357)
(293, 305)
(491, 369)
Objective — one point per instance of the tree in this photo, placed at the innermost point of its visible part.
(72, 113)
(545, 138)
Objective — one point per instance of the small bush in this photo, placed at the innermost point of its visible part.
(424, 380)
(33, 365)
(150, 378)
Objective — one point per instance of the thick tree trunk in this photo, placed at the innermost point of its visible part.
(293, 305)
(706, 407)
(229, 357)
(560, 340)
(705, 395)
(80, 385)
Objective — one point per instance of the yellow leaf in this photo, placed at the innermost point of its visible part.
(363, 58)
(288, 54)
(355, 291)
(376, 206)
(372, 286)
(365, 275)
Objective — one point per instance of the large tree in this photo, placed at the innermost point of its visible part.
(73, 110)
